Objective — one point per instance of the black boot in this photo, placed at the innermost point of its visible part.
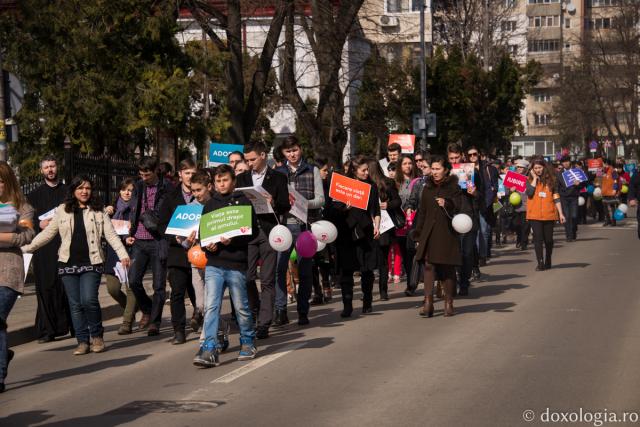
(280, 318)
(347, 301)
(179, 337)
(540, 266)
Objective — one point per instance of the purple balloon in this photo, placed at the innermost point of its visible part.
(306, 245)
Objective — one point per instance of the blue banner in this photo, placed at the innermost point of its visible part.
(185, 219)
(219, 153)
(572, 176)
(631, 168)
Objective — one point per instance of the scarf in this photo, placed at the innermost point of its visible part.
(123, 209)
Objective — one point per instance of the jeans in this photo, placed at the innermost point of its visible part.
(484, 237)
(8, 298)
(216, 280)
(570, 211)
(86, 315)
(143, 253)
(304, 271)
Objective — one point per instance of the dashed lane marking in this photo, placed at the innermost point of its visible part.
(257, 363)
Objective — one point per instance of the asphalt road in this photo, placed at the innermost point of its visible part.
(567, 339)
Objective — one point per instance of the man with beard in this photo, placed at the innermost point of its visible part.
(52, 316)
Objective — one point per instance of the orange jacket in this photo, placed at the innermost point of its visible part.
(610, 183)
(542, 208)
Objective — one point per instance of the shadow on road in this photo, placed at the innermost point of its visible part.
(491, 290)
(511, 261)
(31, 418)
(571, 265)
(86, 369)
(502, 307)
(500, 277)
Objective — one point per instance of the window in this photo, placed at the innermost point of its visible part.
(597, 3)
(544, 21)
(513, 49)
(541, 119)
(542, 97)
(545, 1)
(544, 45)
(510, 3)
(508, 26)
(600, 23)
(567, 22)
(402, 6)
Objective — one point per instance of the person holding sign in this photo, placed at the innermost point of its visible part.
(121, 211)
(227, 262)
(357, 231)
(275, 183)
(11, 259)
(569, 194)
(438, 245)
(610, 192)
(82, 223)
(543, 209)
(179, 268)
(306, 180)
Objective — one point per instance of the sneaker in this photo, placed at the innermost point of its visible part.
(82, 348)
(206, 358)
(247, 352)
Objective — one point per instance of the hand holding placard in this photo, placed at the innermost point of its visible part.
(351, 192)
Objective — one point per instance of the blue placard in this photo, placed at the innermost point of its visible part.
(185, 219)
(219, 153)
(573, 175)
(631, 168)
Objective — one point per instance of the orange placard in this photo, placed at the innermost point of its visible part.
(345, 190)
(407, 142)
(595, 165)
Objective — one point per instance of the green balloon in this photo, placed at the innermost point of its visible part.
(294, 256)
(515, 199)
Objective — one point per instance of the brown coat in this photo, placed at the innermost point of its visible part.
(437, 241)
(11, 263)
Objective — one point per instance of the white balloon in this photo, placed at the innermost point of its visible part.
(623, 208)
(581, 201)
(324, 231)
(597, 193)
(280, 238)
(462, 223)
(321, 246)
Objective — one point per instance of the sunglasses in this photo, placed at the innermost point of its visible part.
(472, 154)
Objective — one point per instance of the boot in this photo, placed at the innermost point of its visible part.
(427, 306)
(347, 302)
(448, 297)
(179, 337)
(125, 328)
(327, 294)
(97, 345)
(144, 322)
(194, 323)
(280, 318)
(540, 266)
(384, 295)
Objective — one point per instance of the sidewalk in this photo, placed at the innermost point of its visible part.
(21, 322)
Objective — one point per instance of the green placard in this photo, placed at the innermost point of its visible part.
(230, 221)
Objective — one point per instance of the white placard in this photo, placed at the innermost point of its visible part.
(300, 206)
(257, 195)
(384, 164)
(48, 215)
(386, 223)
(26, 258)
(121, 273)
(121, 226)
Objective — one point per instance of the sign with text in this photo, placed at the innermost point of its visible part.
(595, 165)
(227, 222)
(121, 226)
(572, 176)
(349, 190)
(515, 180)
(219, 153)
(185, 220)
(386, 223)
(464, 172)
(257, 195)
(300, 206)
(407, 142)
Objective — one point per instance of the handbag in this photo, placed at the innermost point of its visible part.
(149, 218)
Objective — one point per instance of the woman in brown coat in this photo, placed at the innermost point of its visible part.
(438, 244)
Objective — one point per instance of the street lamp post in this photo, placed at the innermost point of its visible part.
(423, 79)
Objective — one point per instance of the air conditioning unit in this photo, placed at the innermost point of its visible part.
(389, 21)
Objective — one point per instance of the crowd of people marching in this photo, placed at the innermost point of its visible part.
(74, 241)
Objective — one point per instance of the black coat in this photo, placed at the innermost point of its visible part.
(357, 251)
(394, 203)
(139, 188)
(276, 184)
(438, 242)
(177, 256)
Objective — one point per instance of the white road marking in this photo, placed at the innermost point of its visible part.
(257, 363)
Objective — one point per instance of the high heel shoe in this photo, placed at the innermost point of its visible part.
(427, 307)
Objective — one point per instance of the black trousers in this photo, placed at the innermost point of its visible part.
(543, 235)
(262, 303)
(180, 281)
(346, 286)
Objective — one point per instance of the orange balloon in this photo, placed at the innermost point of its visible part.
(197, 257)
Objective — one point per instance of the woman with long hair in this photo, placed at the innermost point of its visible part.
(121, 211)
(357, 230)
(543, 209)
(82, 223)
(437, 243)
(389, 202)
(16, 233)
(406, 171)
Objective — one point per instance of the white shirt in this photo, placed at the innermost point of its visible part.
(258, 177)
